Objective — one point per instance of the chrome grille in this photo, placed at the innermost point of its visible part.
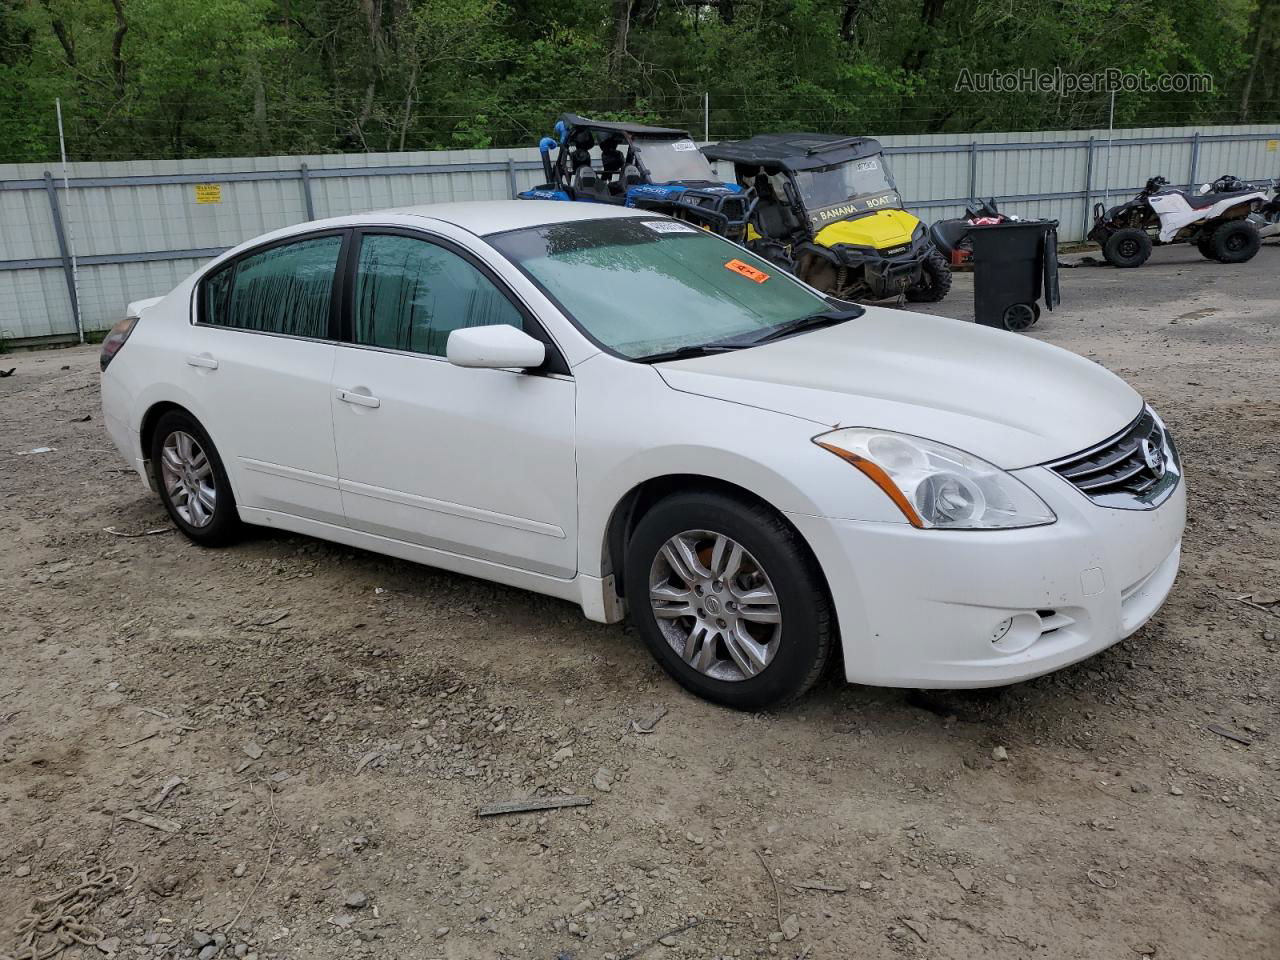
(1136, 469)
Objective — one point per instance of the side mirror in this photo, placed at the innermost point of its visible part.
(497, 347)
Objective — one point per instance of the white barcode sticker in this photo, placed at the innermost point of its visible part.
(669, 226)
(684, 146)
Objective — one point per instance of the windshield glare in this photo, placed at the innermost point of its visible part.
(832, 185)
(670, 160)
(642, 287)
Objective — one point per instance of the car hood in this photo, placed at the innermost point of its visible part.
(1008, 399)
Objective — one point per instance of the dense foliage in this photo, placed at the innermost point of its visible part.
(181, 78)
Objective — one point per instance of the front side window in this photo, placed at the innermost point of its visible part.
(410, 294)
(648, 287)
(285, 289)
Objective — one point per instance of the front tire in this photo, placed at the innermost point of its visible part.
(1129, 247)
(936, 282)
(192, 482)
(1235, 241)
(729, 600)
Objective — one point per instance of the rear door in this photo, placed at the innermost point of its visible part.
(262, 364)
(479, 463)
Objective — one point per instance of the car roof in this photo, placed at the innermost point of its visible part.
(483, 217)
(480, 217)
(634, 129)
(794, 151)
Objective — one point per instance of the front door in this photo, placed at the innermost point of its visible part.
(474, 462)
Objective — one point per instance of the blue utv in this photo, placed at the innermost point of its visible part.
(651, 168)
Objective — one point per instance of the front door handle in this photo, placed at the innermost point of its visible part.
(203, 360)
(359, 399)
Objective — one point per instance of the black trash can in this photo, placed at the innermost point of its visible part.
(1014, 265)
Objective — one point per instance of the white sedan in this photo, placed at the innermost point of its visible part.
(612, 407)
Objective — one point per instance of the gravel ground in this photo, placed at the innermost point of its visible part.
(336, 718)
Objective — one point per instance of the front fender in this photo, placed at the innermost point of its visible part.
(658, 431)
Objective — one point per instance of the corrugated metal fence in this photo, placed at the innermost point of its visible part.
(137, 228)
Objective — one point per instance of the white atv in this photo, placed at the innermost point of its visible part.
(1267, 218)
(1217, 221)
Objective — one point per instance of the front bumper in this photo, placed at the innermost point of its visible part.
(952, 608)
(887, 275)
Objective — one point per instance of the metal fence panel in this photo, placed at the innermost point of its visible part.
(138, 227)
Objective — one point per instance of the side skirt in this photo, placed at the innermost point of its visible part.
(596, 596)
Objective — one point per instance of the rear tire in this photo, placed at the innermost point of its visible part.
(1235, 241)
(781, 600)
(1129, 247)
(936, 282)
(192, 482)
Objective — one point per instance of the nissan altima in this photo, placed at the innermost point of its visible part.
(618, 409)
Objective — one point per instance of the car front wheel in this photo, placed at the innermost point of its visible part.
(729, 600)
(192, 481)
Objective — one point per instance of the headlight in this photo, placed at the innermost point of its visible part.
(938, 486)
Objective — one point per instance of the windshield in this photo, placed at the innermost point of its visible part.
(642, 287)
(670, 160)
(828, 186)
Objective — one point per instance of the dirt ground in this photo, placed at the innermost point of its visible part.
(336, 718)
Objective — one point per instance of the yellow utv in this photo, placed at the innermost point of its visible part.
(827, 209)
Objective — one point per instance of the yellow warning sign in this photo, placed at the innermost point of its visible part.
(1273, 146)
(208, 193)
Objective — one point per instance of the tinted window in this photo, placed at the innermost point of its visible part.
(643, 287)
(282, 290)
(410, 294)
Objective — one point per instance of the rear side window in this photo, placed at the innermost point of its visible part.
(286, 289)
(411, 294)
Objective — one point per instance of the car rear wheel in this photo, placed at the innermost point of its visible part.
(1236, 241)
(729, 600)
(1129, 247)
(193, 484)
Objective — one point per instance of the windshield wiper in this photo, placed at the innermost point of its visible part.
(828, 318)
(684, 353)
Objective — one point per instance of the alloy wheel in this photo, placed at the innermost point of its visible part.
(188, 478)
(715, 605)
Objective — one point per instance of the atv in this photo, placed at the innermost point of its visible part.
(650, 168)
(1267, 217)
(827, 209)
(1215, 220)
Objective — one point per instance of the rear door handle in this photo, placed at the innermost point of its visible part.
(359, 399)
(203, 360)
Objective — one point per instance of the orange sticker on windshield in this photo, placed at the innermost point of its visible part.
(747, 270)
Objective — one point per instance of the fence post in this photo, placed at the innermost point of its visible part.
(973, 169)
(63, 251)
(1195, 159)
(305, 174)
(1088, 188)
(511, 177)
